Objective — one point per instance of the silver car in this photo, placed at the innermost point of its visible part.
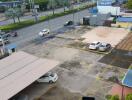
(104, 47)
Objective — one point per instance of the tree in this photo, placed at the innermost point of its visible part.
(52, 4)
(66, 3)
(10, 13)
(129, 4)
(42, 4)
(18, 13)
(14, 13)
(129, 97)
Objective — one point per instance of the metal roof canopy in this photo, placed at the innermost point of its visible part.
(124, 19)
(127, 81)
(19, 70)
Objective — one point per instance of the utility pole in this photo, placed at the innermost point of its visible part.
(3, 44)
(34, 12)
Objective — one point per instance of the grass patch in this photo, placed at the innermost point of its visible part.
(130, 67)
(26, 23)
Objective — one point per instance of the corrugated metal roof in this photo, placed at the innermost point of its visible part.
(124, 19)
(127, 81)
(20, 70)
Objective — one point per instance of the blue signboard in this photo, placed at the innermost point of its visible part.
(105, 3)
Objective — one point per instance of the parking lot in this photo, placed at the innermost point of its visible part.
(81, 73)
(105, 34)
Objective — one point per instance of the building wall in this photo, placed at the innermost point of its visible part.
(109, 9)
(124, 24)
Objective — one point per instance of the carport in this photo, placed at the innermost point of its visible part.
(19, 70)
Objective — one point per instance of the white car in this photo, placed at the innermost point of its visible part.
(44, 32)
(48, 78)
(95, 45)
(104, 47)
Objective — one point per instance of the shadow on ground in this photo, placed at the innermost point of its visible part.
(118, 57)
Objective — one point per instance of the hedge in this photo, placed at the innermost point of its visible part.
(30, 22)
(129, 97)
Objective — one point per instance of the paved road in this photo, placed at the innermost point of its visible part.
(41, 14)
(31, 33)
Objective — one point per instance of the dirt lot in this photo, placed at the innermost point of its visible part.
(105, 34)
(81, 73)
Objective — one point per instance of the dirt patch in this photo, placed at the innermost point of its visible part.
(64, 54)
(70, 65)
(78, 44)
(59, 93)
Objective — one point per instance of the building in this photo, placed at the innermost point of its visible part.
(125, 22)
(107, 6)
(96, 20)
(11, 4)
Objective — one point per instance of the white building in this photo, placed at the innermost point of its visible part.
(106, 6)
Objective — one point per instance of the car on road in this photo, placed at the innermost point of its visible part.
(4, 34)
(48, 78)
(68, 23)
(44, 32)
(104, 47)
(94, 45)
(3, 40)
(13, 34)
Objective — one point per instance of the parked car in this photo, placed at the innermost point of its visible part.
(44, 32)
(104, 47)
(94, 45)
(4, 34)
(48, 78)
(3, 39)
(68, 23)
(13, 34)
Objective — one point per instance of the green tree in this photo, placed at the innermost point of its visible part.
(129, 4)
(18, 13)
(10, 13)
(66, 3)
(52, 4)
(14, 13)
(129, 97)
(42, 4)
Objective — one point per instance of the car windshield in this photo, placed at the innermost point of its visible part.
(102, 45)
(48, 74)
(92, 44)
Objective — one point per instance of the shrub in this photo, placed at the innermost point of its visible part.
(130, 67)
(115, 97)
(129, 97)
(108, 97)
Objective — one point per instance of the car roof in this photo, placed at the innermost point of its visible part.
(95, 42)
(104, 43)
